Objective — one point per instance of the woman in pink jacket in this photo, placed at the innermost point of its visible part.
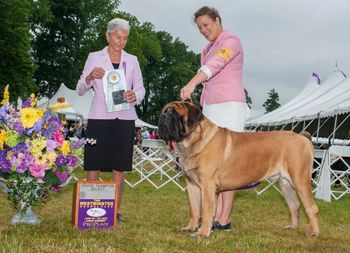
(223, 97)
(113, 131)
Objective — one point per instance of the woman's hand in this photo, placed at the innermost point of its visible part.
(96, 73)
(130, 96)
(186, 91)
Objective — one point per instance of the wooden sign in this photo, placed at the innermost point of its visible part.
(94, 205)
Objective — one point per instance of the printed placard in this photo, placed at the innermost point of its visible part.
(94, 205)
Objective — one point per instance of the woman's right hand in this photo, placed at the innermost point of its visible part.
(186, 91)
(96, 73)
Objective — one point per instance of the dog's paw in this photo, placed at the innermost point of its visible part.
(202, 233)
(199, 235)
(290, 226)
(313, 233)
(189, 228)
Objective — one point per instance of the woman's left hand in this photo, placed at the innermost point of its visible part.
(130, 96)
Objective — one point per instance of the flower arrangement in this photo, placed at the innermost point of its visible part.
(34, 155)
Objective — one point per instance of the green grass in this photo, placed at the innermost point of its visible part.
(154, 218)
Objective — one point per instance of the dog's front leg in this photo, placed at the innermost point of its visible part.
(208, 209)
(194, 196)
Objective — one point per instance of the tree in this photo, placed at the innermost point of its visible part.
(16, 65)
(272, 102)
(166, 75)
(248, 98)
(63, 37)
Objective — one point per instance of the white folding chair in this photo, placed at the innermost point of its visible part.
(340, 173)
(270, 182)
(331, 174)
(319, 157)
(154, 157)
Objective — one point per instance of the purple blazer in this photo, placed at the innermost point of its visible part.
(129, 62)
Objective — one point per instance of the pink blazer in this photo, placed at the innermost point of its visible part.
(222, 61)
(98, 109)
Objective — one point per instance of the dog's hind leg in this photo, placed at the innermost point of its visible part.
(292, 201)
(194, 196)
(305, 193)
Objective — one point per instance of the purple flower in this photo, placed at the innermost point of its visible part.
(66, 160)
(51, 145)
(61, 160)
(72, 160)
(75, 144)
(37, 126)
(18, 127)
(5, 165)
(62, 175)
(27, 103)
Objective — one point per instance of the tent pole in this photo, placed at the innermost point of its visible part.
(334, 127)
(318, 127)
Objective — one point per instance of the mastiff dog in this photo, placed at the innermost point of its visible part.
(215, 159)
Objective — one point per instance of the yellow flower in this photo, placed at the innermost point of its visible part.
(38, 145)
(6, 99)
(51, 157)
(2, 138)
(65, 148)
(29, 116)
(40, 159)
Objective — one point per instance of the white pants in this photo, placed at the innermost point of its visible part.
(231, 115)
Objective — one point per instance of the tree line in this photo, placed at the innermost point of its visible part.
(45, 43)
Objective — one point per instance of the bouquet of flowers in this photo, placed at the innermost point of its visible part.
(34, 155)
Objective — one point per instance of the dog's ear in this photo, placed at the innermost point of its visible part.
(195, 115)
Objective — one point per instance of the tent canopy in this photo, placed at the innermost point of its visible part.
(314, 101)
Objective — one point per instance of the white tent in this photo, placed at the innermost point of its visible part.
(80, 105)
(309, 88)
(313, 107)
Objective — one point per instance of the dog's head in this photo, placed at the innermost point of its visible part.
(178, 120)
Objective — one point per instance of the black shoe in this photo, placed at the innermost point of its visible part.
(120, 217)
(218, 226)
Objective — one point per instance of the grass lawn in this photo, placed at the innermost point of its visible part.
(154, 218)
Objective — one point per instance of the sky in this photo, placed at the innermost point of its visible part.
(284, 41)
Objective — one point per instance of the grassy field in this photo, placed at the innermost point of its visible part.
(154, 218)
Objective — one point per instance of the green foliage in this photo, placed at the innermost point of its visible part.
(272, 101)
(166, 75)
(25, 190)
(64, 33)
(16, 64)
(51, 179)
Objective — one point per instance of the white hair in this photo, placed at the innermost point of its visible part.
(118, 24)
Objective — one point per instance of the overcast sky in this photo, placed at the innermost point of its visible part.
(284, 41)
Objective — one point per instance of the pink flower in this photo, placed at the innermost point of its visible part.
(37, 170)
(58, 136)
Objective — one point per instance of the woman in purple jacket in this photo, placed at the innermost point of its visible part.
(223, 97)
(113, 131)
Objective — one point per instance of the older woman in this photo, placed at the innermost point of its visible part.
(223, 97)
(113, 131)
